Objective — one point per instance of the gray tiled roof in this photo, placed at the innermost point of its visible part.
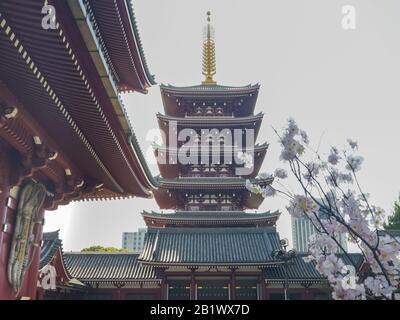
(90, 266)
(51, 243)
(298, 269)
(211, 246)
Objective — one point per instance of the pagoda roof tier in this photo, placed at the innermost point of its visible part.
(199, 183)
(174, 98)
(172, 170)
(210, 218)
(67, 100)
(210, 247)
(222, 150)
(218, 121)
(115, 25)
(210, 89)
(170, 192)
(214, 122)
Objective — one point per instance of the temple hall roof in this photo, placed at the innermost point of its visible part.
(300, 271)
(117, 32)
(96, 266)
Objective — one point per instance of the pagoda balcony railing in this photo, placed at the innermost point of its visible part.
(207, 174)
(212, 149)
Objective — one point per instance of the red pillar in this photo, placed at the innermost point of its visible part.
(164, 285)
(118, 294)
(263, 286)
(232, 285)
(8, 209)
(31, 276)
(193, 291)
(307, 295)
(6, 220)
(164, 290)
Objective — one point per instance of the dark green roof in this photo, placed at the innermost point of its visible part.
(93, 266)
(50, 244)
(299, 270)
(210, 246)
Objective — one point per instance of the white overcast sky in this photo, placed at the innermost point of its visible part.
(336, 83)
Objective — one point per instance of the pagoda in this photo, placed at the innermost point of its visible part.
(209, 247)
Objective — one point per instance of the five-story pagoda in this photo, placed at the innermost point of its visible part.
(209, 247)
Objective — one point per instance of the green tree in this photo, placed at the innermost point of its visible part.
(394, 219)
(102, 249)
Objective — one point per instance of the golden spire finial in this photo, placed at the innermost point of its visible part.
(209, 63)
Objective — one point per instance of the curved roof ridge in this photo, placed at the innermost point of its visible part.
(214, 87)
(189, 230)
(98, 253)
(249, 85)
(210, 212)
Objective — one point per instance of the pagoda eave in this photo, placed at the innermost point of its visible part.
(222, 121)
(209, 123)
(210, 183)
(208, 90)
(170, 170)
(175, 97)
(209, 219)
(170, 193)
